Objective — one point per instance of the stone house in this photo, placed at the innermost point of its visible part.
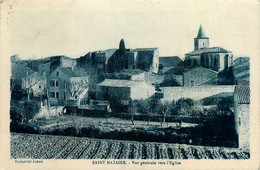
(124, 90)
(214, 58)
(61, 62)
(37, 83)
(23, 78)
(147, 59)
(64, 84)
(100, 59)
(242, 116)
(199, 76)
(116, 60)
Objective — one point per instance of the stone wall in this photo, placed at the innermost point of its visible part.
(194, 92)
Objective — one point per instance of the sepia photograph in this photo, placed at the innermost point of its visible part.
(118, 81)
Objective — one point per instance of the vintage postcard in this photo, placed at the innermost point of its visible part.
(133, 84)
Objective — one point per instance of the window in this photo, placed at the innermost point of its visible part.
(57, 83)
(52, 94)
(40, 86)
(52, 82)
(57, 94)
(239, 121)
(57, 74)
(192, 83)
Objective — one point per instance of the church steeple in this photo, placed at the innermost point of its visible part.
(201, 33)
(201, 41)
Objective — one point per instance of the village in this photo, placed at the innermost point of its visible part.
(136, 95)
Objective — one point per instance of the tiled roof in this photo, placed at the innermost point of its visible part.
(243, 94)
(73, 73)
(145, 49)
(154, 78)
(208, 50)
(171, 61)
(202, 68)
(119, 83)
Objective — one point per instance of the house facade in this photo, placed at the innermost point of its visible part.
(214, 58)
(64, 84)
(199, 76)
(242, 116)
(123, 90)
(147, 59)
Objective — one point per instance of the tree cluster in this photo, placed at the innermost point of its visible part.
(22, 112)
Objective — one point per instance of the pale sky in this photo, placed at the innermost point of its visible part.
(73, 28)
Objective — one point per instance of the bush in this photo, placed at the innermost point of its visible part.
(24, 111)
(225, 103)
(116, 105)
(185, 106)
(23, 128)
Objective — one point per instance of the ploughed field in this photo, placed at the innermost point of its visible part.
(31, 146)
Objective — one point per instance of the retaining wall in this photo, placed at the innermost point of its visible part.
(194, 92)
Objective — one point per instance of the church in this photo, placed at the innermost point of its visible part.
(214, 58)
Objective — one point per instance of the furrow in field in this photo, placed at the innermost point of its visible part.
(62, 142)
(101, 152)
(67, 149)
(77, 152)
(113, 151)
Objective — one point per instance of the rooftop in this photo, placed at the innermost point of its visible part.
(170, 61)
(208, 50)
(243, 94)
(154, 78)
(145, 49)
(108, 52)
(72, 73)
(119, 83)
(203, 68)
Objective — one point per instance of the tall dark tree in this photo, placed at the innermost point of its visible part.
(122, 48)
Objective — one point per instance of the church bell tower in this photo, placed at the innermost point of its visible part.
(201, 41)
